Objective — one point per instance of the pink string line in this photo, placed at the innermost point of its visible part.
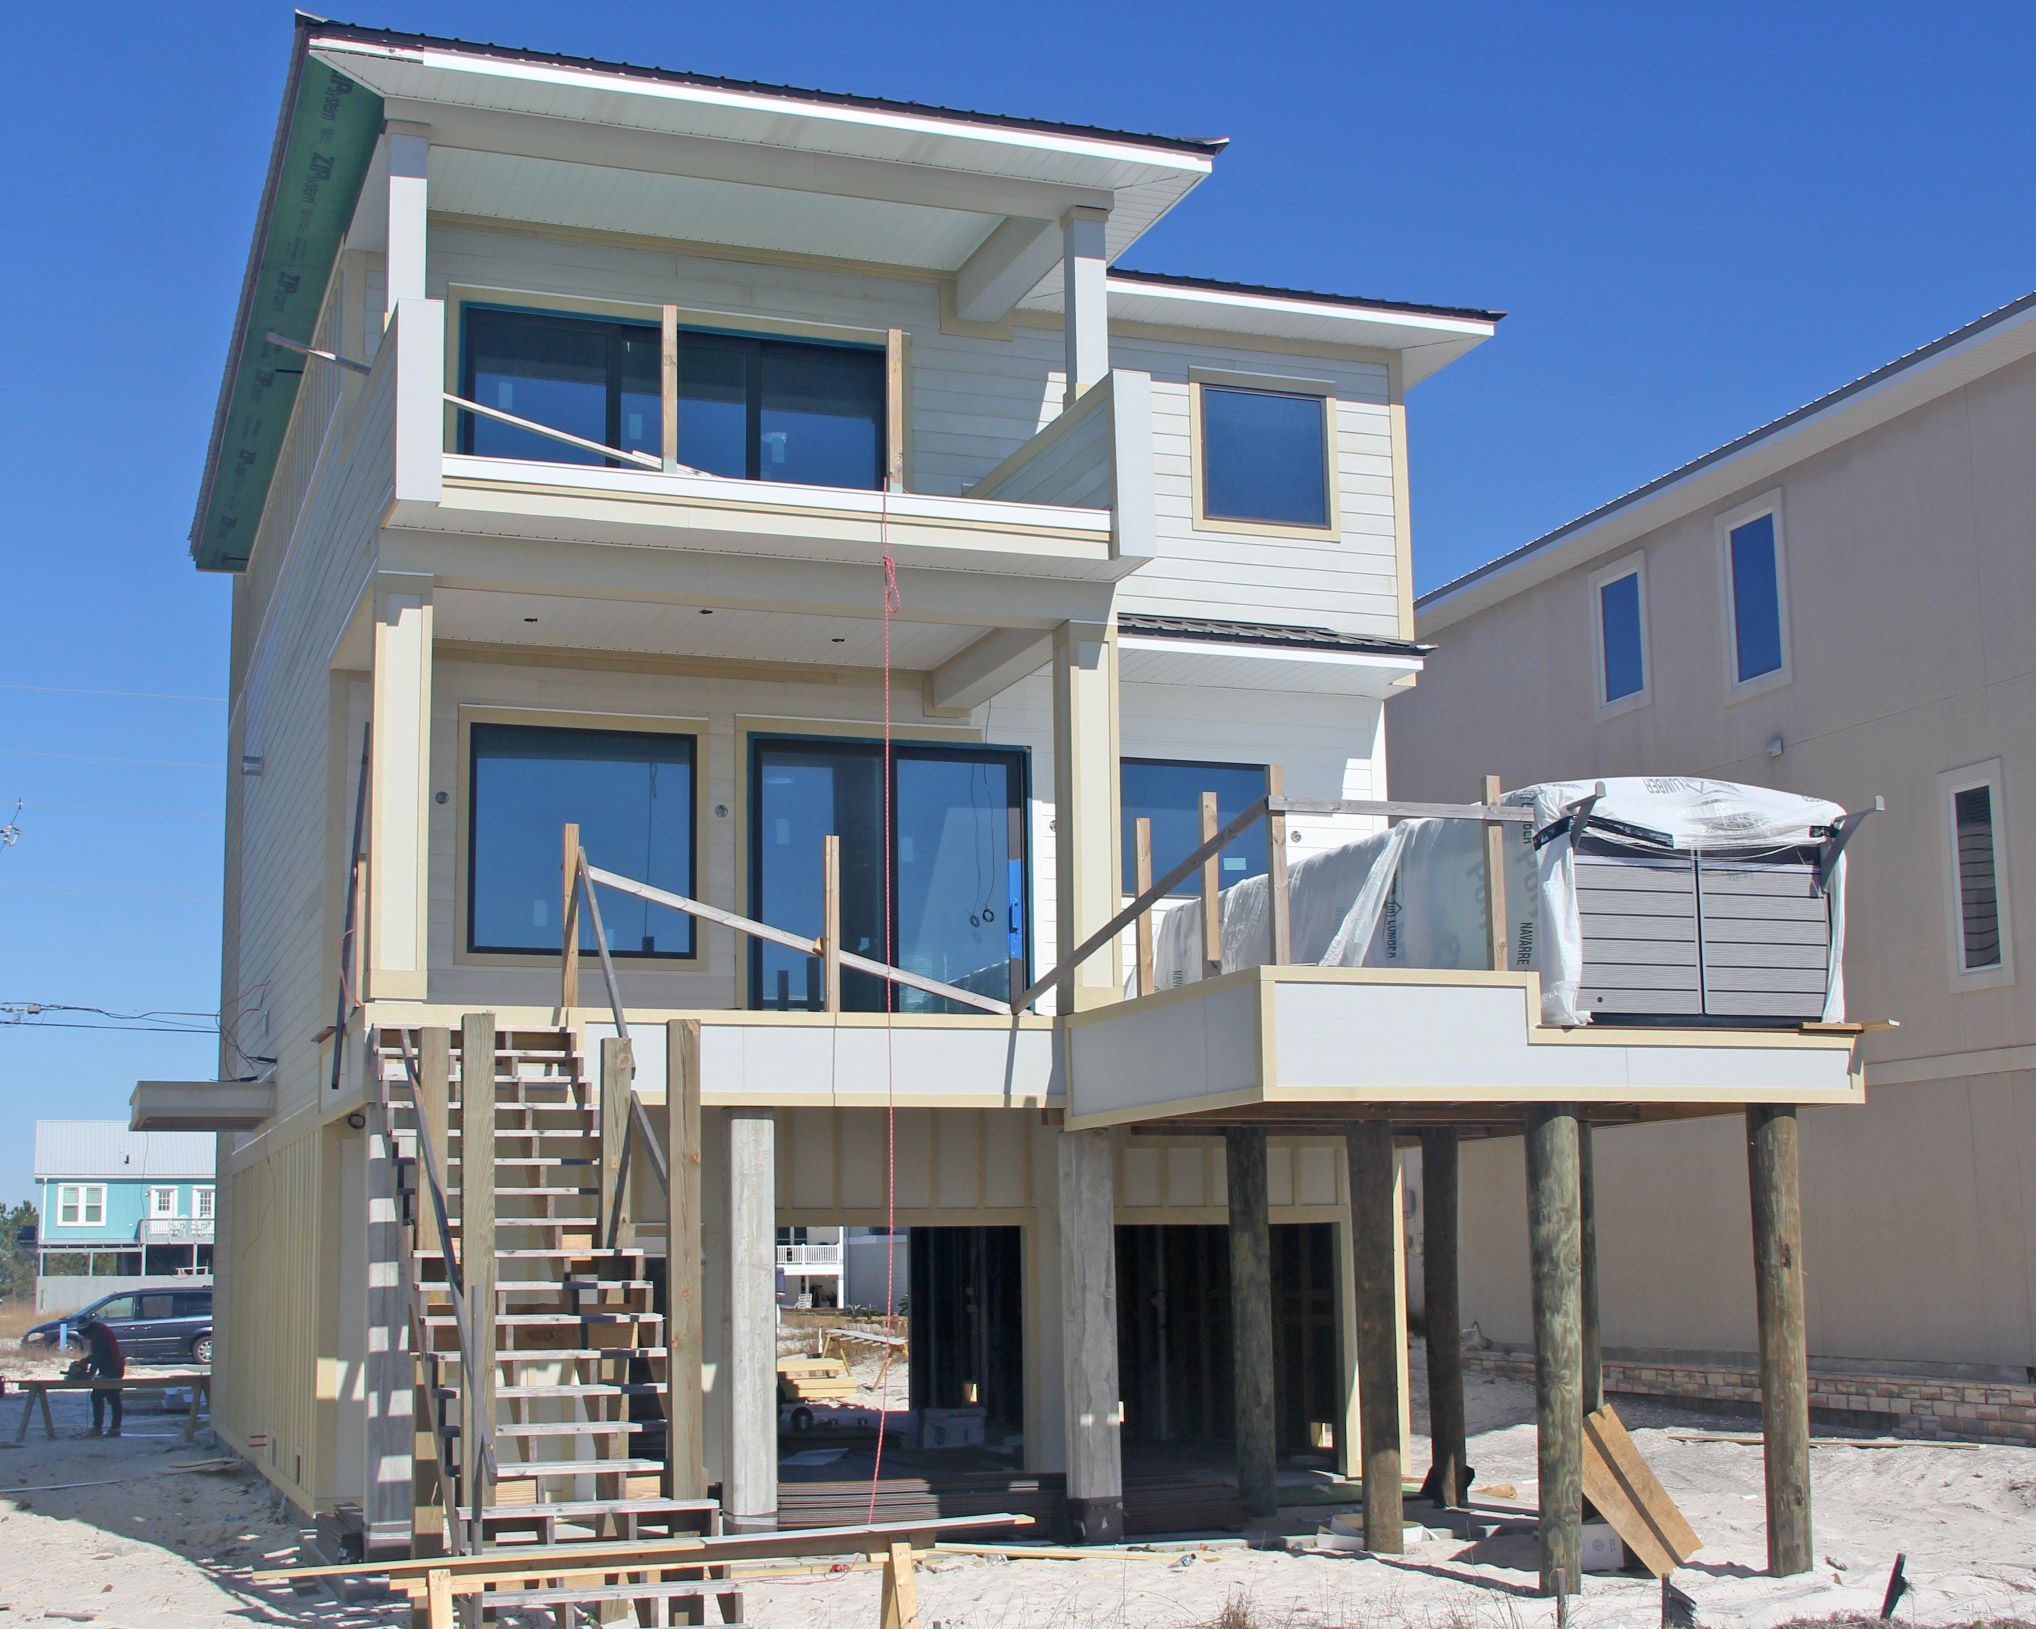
(891, 605)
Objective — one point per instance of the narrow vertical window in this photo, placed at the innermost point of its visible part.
(1622, 652)
(1979, 899)
(1756, 599)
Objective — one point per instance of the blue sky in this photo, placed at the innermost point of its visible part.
(1699, 217)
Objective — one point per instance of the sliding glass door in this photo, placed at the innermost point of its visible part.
(957, 861)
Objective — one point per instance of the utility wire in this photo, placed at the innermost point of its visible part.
(123, 809)
(124, 695)
(94, 758)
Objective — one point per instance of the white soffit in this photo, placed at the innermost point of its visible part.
(431, 83)
(636, 628)
(1959, 359)
(1205, 664)
(556, 192)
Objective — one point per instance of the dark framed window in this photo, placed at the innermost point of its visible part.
(1622, 638)
(1264, 456)
(632, 795)
(592, 377)
(1168, 792)
(781, 410)
(959, 869)
(1979, 894)
(1756, 599)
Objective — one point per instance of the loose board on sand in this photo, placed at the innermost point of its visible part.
(1631, 1498)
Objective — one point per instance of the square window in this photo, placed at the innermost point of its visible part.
(1264, 456)
(1169, 794)
(631, 794)
(1756, 586)
(592, 378)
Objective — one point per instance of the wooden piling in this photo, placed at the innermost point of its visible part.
(1448, 1480)
(477, 1254)
(1373, 1230)
(1212, 893)
(1141, 880)
(1251, 1319)
(685, 1409)
(569, 925)
(1278, 899)
(618, 1072)
(830, 922)
(1554, 1224)
(1774, 1180)
(1593, 1345)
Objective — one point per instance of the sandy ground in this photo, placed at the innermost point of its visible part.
(150, 1545)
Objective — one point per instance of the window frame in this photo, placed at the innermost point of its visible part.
(1769, 504)
(1989, 774)
(204, 1204)
(1275, 385)
(155, 1212)
(464, 421)
(758, 735)
(1631, 565)
(85, 1196)
(893, 343)
(1190, 886)
(463, 868)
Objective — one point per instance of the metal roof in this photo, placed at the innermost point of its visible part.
(1268, 291)
(1215, 631)
(107, 1149)
(1892, 389)
(674, 76)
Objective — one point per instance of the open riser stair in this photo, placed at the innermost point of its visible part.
(574, 1416)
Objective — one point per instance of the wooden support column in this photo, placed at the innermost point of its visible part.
(749, 1499)
(685, 1454)
(389, 1369)
(1554, 1225)
(1088, 1282)
(618, 1078)
(1774, 1178)
(1448, 1480)
(429, 1496)
(668, 386)
(830, 922)
(477, 1255)
(569, 925)
(1251, 1320)
(1278, 901)
(1497, 922)
(1593, 1342)
(1141, 880)
(1212, 892)
(1373, 1230)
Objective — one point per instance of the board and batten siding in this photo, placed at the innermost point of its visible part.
(974, 400)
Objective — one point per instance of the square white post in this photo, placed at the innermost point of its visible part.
(399, 839)
(1086, 857)
(409, 189)
(1085, 298)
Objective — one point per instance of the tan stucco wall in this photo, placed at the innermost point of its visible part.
(1911, 568)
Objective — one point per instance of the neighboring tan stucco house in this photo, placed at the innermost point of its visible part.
(1842, 603)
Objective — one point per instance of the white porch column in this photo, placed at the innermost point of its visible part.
(399, 789)
(1085, 299)
(749, 1498)
(1088, 1277)
(1085, 851)
(409, 156)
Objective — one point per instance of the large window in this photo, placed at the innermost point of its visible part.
(1981, 946)
(1168, 792)
(1758, 597)
(956, 856)
(1620, 610)
(81, 1204)
(631, 793)
(755, 408)
(781, 410)
(593, 378)
(1264, 456)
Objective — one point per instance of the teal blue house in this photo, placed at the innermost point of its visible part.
(120, 1208)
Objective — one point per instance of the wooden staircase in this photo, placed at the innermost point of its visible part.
(573, 1448)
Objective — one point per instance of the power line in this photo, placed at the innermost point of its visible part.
(119, 1029)
(122, 809)
(93, 758)
(124, 695)
(85, 888)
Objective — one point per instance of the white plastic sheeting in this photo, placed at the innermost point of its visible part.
(1414, 896)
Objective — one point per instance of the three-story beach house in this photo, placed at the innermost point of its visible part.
(734, 590)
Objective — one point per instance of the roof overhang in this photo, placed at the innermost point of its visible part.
(1208, 664)
(1753, 460)
(1425, 338)
(200, 1105)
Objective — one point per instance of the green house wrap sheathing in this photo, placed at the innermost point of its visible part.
(314, 182)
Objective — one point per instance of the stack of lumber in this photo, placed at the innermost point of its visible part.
(813, 1380)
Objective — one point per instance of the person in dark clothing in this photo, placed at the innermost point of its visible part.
(102, 1361)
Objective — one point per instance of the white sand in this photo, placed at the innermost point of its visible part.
(154, 1547)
